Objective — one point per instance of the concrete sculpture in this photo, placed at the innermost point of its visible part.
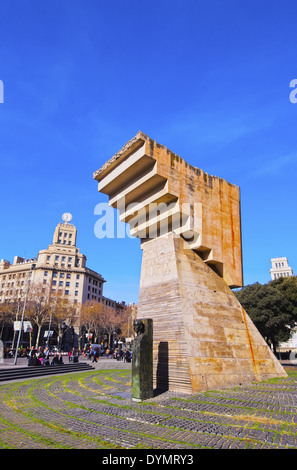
(190, 231)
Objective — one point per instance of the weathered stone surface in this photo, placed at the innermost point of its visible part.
(207, 339)
(142, 360)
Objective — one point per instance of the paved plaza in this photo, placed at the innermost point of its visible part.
(94, 410)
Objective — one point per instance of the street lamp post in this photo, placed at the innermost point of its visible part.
(49, 326)
(23, 313)
(63, 328)
(129, 327)
(14, 333)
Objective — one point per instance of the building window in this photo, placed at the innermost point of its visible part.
(76, 284)
(76, 292)
(67, 284)
(61, 274)
(55, 274)
(77, 276)
(54, 283)
(60, 283)
(68, 276)
(66, 292)
(45, 273)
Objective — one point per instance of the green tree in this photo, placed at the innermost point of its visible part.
(270, 310)
(288, 287)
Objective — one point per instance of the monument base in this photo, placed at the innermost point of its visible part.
(203, 338)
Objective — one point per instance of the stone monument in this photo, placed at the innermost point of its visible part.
(190, 230)
(142, 360)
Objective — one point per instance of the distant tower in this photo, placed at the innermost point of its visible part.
(280, 268)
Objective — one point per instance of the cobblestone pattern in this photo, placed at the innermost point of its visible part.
(94, 410)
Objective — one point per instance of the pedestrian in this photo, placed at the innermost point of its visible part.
(71, 355)
(127, 357)
(75, 355)
(117, 354)
(46, 357)
(93, 354)
(97, 354)
(31, 355)
(55, 360)
(40, 355)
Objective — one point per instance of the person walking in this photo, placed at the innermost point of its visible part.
(127, 357)
(55, 360)
(46, 357)
(31, 355)
(71, 355)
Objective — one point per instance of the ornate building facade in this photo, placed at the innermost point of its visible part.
(61, 268)
(61, 271)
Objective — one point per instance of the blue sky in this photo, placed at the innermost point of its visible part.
(210, 80)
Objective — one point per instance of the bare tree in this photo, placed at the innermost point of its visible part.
(114, 321)
(91, 318)
(38, 307)
(4, 317)
(63, 310)
(10, 312)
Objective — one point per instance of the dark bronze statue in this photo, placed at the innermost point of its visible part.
(142, 360)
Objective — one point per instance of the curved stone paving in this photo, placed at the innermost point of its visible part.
(93, 410)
